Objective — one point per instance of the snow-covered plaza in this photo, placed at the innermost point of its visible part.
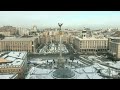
(53, 49)
(94, 69)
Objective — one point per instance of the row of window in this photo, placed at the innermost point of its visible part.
(94, 41)
(8, 44)
(24, 47)
(13, 43)
(93, 50)
(18, 50)
(93, 46)
(10, 70)
(116, 40)
(20, 47)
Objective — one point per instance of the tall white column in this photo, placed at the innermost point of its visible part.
(60, 47)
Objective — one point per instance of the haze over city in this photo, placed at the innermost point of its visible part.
(59, 45)
(71, 19)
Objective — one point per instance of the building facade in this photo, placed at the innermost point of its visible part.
(23, 31)
(90, 45)
(8, 30)
(29, 44)
(114, 47)
(5, 33)
(14, 63)
(53, 36)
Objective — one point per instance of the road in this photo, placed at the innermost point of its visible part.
(71, 55)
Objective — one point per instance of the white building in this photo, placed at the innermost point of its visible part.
(114, 47)
(23, 31)
(13, 63)
(90, 44)
(34, 29)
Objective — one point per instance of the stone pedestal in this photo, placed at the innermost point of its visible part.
(63, 73)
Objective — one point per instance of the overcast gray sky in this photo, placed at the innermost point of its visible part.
(74, 19)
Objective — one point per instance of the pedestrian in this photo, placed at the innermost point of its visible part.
(54, 61)
(66, 60)
(99, 71)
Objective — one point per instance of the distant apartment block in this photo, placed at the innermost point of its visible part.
(23, 31)
(53, 36)
(8, 30)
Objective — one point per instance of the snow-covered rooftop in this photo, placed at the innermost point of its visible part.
(17, 62)
(91, 38)
(13, 58)
(6, 76)
(10, 58)
(115, 37)
(17, 54)
(4, 56)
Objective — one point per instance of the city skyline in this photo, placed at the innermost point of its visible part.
(71, 19)
(26, 53)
